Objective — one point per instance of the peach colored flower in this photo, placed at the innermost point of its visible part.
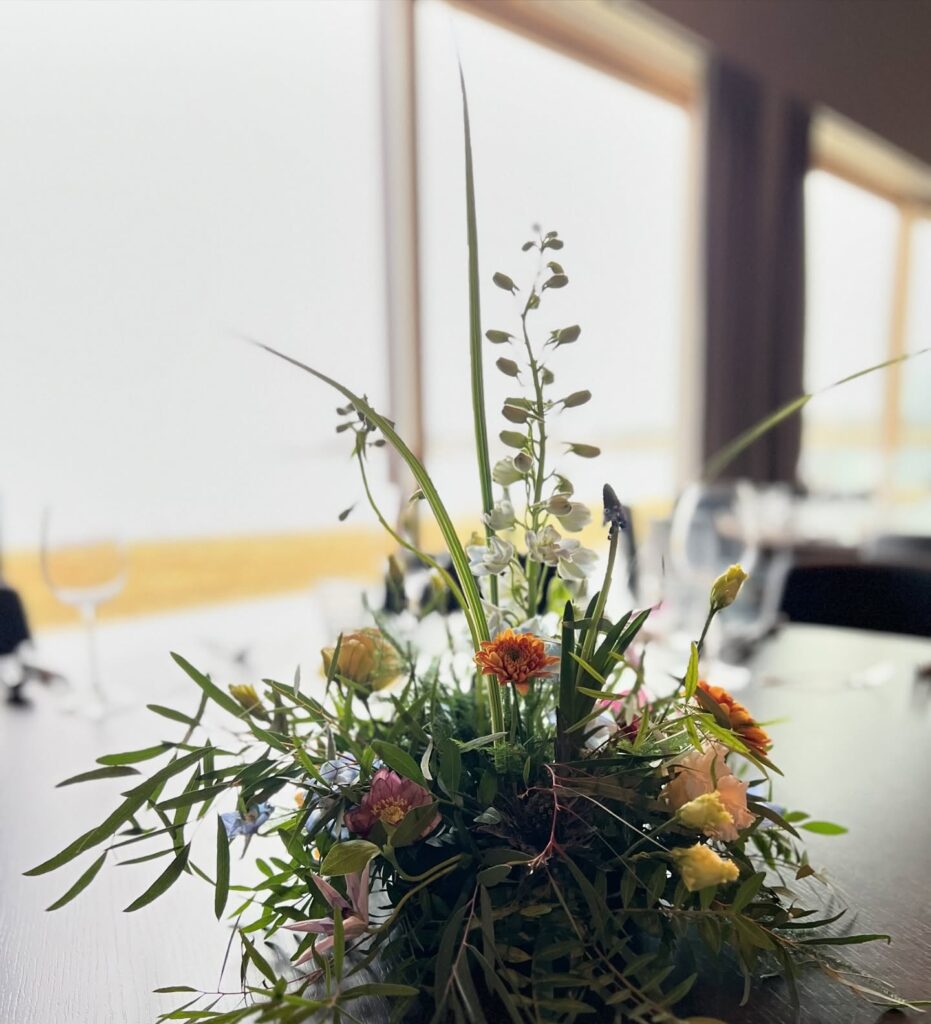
(618, 709)
(741, 721)
(514, 658)
(704, 772)
(365, 657)
(733, 794)
(696, 773)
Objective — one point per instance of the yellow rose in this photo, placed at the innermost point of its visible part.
(706, 813)
(700, 867)
(727, 586)
(365, 658)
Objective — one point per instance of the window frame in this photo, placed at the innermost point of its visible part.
(851, 153)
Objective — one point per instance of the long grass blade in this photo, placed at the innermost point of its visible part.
(475, 315)
(722, 459)
(475, 330)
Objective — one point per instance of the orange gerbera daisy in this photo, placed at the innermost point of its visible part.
(514, 658)
(741, 721)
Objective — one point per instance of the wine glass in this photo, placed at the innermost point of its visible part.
(715, 525)
(84, 564)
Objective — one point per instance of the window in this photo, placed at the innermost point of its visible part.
(186, 172)
(606, 165)
(868, 259)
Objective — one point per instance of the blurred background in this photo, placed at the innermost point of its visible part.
(744, 192)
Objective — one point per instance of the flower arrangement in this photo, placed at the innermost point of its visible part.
(534, 839)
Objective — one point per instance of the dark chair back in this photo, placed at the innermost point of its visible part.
(890, 598)
(14, 628)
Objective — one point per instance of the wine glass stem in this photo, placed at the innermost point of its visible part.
(89, 615)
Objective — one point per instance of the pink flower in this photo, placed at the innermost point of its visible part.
(355, 923)
(388, 800)
(707, 772)
(618, 709)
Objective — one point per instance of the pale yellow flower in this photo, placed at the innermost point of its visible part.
(705, 812)
(700, 867)
(727, 586)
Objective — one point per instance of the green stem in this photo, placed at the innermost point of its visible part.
(534, 570)
(591, 634)
(711, 614)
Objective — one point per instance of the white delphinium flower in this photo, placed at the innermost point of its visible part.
(492, 559)
(544, 546)
(511, 469)
(501, 517)
(572, 561)
(575, 517)
(575, 562)
(494, 617)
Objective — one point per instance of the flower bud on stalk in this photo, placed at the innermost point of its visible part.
(726, 587)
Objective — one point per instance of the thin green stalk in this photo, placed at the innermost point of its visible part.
(711, 614)
(591, 634)
(534, 570)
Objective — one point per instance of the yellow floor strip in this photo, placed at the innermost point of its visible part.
(168, 575)
(173, 574)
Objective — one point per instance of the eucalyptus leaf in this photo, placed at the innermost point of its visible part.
(221, 892)
(399, 760)
(823, 828)
(348, 857)
(172, 714)
(135, 756)
(164, 881)
(81, 884)
(109, 772)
